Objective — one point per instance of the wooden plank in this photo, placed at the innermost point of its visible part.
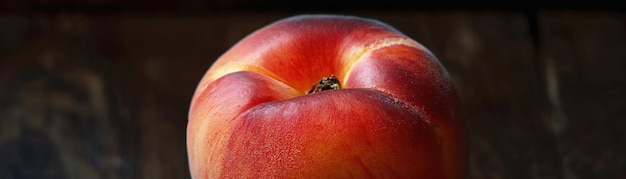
(585, 70)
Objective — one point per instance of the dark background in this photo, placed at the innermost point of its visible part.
(101, 88)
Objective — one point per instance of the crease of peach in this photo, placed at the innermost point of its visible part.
(232, 68)
(357, 55)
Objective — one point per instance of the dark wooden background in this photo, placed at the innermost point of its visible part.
(101, 89)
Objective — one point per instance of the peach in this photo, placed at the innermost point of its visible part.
(386, 108)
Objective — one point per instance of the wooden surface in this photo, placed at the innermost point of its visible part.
(106, 95)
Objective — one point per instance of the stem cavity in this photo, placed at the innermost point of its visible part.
(327, 83)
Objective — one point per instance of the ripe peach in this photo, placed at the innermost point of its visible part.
(396, 115)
